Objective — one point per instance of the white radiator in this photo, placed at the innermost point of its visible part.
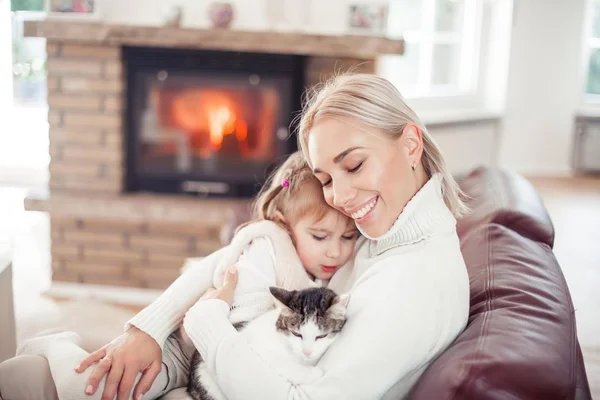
(586, 146)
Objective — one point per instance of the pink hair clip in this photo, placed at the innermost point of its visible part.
(285, 183)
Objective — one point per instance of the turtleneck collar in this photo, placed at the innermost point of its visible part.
(425, 215)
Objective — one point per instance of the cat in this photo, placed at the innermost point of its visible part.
(292, 337)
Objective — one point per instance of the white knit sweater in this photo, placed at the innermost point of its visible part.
(264, 255)
(409, 299)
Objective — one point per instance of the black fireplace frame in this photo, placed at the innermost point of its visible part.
(152, 59)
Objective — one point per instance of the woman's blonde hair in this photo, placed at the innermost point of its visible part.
(375, 102)
(291, 193)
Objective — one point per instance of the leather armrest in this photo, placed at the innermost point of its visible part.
(505, 198)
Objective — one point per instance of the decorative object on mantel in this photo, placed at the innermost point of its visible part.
(221, 14)
(87, 9)
(367, 18)
(174, 16)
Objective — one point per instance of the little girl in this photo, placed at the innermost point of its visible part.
(295, 241)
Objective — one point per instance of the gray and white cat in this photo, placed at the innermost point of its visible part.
(292, 337)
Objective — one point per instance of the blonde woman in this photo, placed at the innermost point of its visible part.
(409, 289)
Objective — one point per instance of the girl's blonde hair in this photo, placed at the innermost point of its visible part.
(375, 102)
(291, 193)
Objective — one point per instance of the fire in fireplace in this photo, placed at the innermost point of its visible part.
(206, 122)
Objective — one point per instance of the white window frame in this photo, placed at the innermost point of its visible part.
(438, 100)
(590, 43)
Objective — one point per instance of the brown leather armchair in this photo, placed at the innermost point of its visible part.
(521, 338)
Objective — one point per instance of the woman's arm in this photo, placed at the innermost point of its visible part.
(139, 348)
(397, 323)
(139, 351)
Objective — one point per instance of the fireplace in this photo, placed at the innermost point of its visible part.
(210, 123)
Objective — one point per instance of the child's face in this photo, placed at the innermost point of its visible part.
(325, 246)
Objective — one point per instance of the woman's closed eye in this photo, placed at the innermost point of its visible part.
(349, 237)
(319, 238)
(326, 183)
(356, 168)
(351, 170)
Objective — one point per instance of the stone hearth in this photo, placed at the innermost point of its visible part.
(100, 234)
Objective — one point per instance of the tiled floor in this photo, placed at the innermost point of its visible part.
(574, 206)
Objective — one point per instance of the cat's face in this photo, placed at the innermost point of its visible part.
(310, 319)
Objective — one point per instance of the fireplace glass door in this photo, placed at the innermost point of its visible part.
(207, 130)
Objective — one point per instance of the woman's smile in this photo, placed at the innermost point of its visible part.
(363, 211)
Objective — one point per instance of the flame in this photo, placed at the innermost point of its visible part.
(212, 117)
(221, 122)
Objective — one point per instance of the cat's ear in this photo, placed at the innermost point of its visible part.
(282, 296)
(338, 307)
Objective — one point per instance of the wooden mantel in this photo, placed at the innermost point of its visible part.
(214, 39)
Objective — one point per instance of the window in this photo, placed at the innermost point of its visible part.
(28, 55)
(441, 47)
(24, 135)
(592, 80)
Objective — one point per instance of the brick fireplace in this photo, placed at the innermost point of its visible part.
(102, 232)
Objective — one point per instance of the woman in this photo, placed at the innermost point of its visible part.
(409, 289)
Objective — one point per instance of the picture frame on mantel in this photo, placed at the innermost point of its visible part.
(72, 9)
(367, 18)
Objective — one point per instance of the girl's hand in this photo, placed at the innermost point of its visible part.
(226, 291)
(122, 359)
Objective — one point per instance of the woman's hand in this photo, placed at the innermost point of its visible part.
(122, 359)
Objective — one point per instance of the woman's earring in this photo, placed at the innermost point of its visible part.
(413, 166)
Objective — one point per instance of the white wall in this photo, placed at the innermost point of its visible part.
(467, 145)
(543, 86)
